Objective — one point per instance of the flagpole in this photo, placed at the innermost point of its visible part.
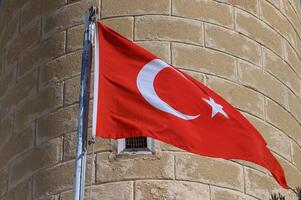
(81, 151)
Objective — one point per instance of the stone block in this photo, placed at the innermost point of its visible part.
(55, 124)
(67, 16)
(61, 68)
(222, 39)
(39, 157)
(296, 154)
(21, 191)
(26, 38)
(127, 167)
(134, 7)
(36, 8)
(58, 179)
(293, 59)
(280, 69)
(275, 18)
(247, 5)
(260, 185)
(283, 120)
(26, 86)
(45, 51)
(209, 170)
(258, 30)
(106, 191)
(3, 181)
(123, 25)
(203, 60)
(53, 180)
(170, 190)
(7, 82)
(17, 144)
(168, 29)
(75, 38)
(38, 105)
(209, 11)
(259, 80)
(225, 194)
(101, 145)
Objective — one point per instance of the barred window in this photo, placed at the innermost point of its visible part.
(135, 145)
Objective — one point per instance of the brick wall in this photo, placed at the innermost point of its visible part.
(249, 51)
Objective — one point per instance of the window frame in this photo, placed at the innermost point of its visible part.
(121, 148)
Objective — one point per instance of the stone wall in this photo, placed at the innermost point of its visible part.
(249, 51)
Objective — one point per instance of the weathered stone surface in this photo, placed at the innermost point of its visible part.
(156, 190)
(257, 30)
(61, 68)
(16, 144)
(75, 38)
(224, 194)
(239, 96)
(25, 39)
(58, 179)
(26, 86)
(160, 49)
(36, 8)
(53, 180)
(106, 191)
(39, 157)
(127, 167)
(209, 170)
(10, 27)
(21, 191)
(283, 120)
(67, 16)
(123, 26)
(72, 90)
(6, 128)
(7, 82)
(3, 181)
(162, 28)
(70, 145)
(291, 14)
(276, 66)
(275, 18)
(253, 77)
(248, 5)
(259, 185)
(222, 39)
(45, 51)
(294, 105)
(292, 58)
(203, 60)
(210, 11)
(296, 154)
(133, 7)
(57, 123)
(41, 103)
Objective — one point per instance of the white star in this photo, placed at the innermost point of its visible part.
(216, 108)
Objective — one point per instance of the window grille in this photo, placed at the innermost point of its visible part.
(135, 145)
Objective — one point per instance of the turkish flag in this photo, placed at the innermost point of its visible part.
(137, 94)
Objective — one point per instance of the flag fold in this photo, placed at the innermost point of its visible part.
(138, 94)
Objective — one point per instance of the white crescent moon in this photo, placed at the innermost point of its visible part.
(145, 84)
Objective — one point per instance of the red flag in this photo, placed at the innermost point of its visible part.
(137, 94)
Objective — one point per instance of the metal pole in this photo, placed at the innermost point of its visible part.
(81, 151)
